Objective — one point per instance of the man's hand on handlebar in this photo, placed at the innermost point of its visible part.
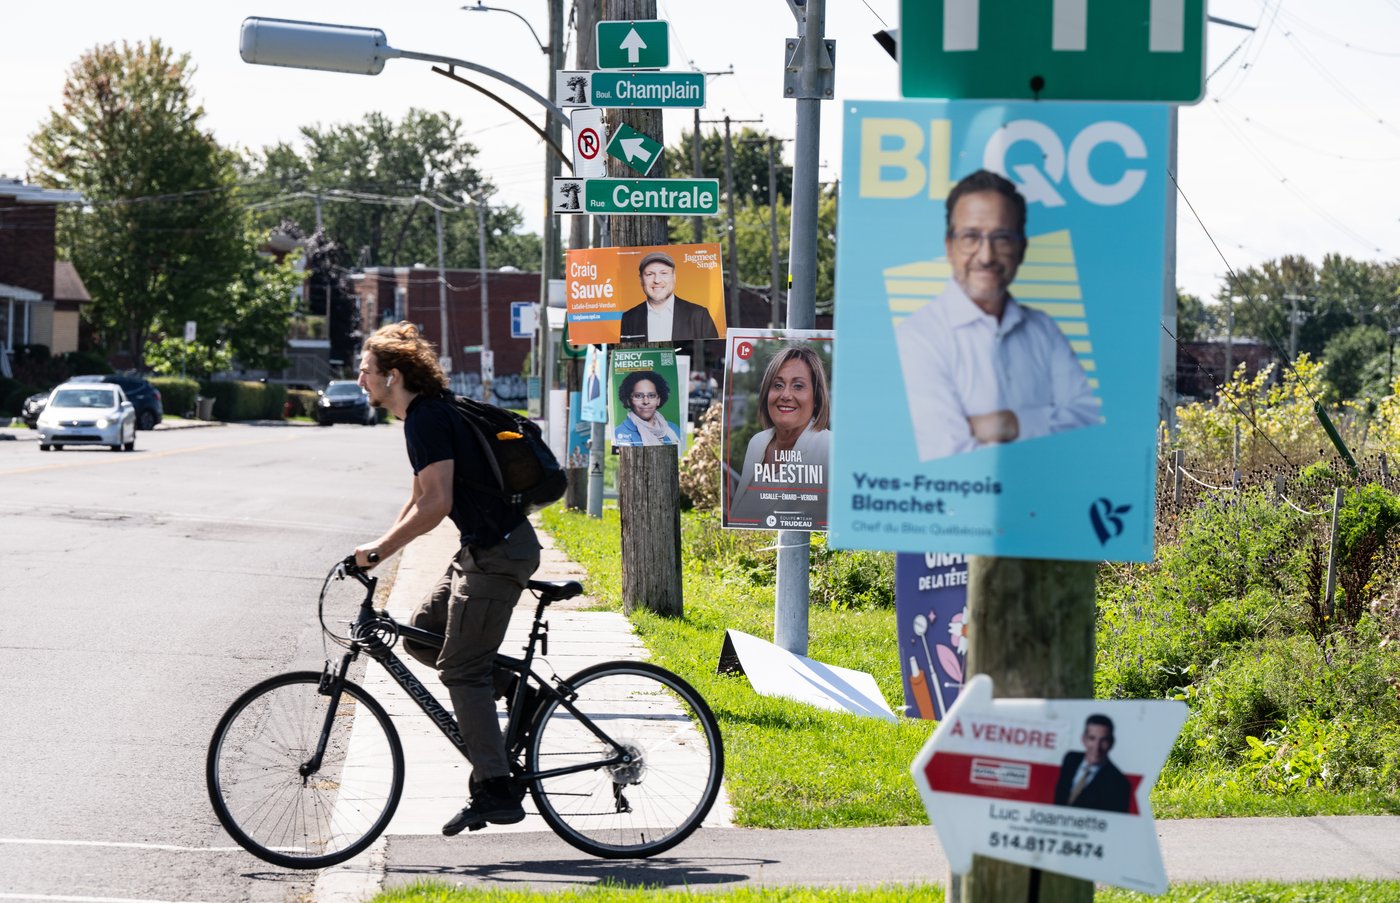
(366, 557)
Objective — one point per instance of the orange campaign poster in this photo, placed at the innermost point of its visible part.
(652, 293)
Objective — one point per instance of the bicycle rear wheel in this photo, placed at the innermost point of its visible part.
(642, 807)
(269, 807)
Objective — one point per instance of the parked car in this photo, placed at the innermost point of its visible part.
(142, 395)
(34, 406)
(87, 413)
(344, 401)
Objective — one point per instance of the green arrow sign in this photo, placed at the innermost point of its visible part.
(647, 89)
(641, 44)
(1152, 50)
(634, 148)
(649, 197)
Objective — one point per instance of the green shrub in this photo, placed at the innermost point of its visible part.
(302, 402)
(81, 363)
(245, 400)
(177, 394)
(857, 580)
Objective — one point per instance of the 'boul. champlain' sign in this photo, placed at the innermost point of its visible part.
(652, 197)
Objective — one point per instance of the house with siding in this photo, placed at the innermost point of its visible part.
(41, 297)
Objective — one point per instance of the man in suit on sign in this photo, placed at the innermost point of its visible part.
(663, 317)
(1088, 780)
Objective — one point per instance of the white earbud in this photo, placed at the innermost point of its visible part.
(389, 381)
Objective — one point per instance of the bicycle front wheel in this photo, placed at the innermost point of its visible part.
(261, 748)
(636, 808)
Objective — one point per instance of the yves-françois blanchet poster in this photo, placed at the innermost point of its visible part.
(999, 286)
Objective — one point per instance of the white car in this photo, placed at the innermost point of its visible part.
(88, 414)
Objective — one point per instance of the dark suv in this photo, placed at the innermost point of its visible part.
(142, 395)
(343, 401)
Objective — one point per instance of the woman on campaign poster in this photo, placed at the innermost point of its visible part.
(783, 425)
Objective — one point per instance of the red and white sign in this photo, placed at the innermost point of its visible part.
(1054, 784)
(590, 138)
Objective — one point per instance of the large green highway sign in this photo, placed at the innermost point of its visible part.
(1146, 50)
(652, 197)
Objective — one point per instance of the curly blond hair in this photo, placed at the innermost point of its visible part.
(400, 346)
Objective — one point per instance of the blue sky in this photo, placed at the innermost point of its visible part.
(1291, 152)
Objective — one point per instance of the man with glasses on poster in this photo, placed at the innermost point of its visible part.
(979, 368)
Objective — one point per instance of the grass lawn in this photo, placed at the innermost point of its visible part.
(1252, 892)
(790, 765)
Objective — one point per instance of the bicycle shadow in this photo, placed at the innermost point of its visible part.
(553, 874)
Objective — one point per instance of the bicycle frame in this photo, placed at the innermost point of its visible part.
(368, 635)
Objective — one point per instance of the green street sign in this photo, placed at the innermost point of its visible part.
(634, 148)
(650, 90)
(647, 197)
(643, 44)
(1144, 50)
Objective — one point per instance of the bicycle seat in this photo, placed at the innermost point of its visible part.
(555, 590)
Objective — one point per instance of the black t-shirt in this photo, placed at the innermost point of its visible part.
(435, 432)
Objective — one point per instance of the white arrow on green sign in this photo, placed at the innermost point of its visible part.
(646, 197)
(634, 148)
(643, 44)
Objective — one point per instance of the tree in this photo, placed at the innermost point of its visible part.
(1194, 321)
(1355, 357)
(160, 236)
(752, 242)
(750, 162)
(367, 174)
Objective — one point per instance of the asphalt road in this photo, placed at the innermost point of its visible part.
(142, 592)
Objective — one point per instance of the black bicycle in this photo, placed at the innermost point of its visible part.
(305, 770)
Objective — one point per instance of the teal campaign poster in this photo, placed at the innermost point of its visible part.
(997, 370)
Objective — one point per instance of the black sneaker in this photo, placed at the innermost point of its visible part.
(495, 801)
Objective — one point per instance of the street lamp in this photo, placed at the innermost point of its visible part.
(362, 51)
(483, 8)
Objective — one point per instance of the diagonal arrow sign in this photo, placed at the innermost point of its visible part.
(634, 45)
(635, 148)
(1055, 784)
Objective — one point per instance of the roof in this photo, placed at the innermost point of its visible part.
(34, 194)
(67, 284)
(19, 294)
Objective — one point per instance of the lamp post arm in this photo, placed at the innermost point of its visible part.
(553, 109)
(523, 118)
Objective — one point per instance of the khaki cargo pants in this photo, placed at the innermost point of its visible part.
(471, 606)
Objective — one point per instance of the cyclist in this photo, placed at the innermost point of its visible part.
(471, 605)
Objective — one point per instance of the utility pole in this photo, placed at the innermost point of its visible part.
(1295, 318)
(648, 476)
(549, 263)
(485, 306)
(810, 78)
(444, 345)
(774, 292)
(584, 490)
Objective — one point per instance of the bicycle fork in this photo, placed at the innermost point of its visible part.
(331, 685)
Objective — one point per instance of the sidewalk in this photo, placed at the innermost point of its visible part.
(719, 856)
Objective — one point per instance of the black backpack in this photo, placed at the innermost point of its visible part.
(528, 476)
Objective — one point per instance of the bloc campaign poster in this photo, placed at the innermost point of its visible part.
(594, 403)
(660, 293)
(998, 367)
(930, 609)
(648, 398)
(777, 429)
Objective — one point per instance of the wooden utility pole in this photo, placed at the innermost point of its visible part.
(1031, 630)
(648, 477)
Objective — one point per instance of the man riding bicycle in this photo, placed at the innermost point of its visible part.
(471, 605)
